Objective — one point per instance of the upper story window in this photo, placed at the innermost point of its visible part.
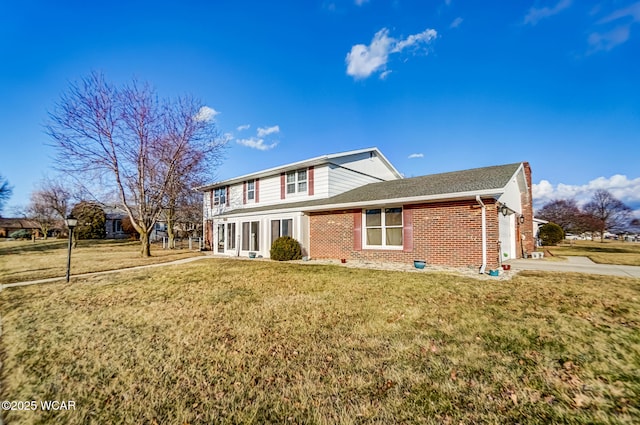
(220, 196)
(297, 181)
(251, 190)
(383, 228)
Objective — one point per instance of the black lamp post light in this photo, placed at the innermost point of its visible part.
(71, 223)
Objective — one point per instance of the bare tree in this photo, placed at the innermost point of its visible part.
(183, 123)
(609, 212)
(128, 138)
(563, 212)
(55, 194)
(41, 212)
(5, 192)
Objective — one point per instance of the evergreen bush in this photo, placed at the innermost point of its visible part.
(550, 234)
(91, 221)
(285, 248)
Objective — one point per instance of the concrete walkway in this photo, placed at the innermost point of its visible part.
(575, 264)
(73, 276)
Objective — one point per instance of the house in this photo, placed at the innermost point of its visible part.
(10, 225)
(113, 222)
(356, 205)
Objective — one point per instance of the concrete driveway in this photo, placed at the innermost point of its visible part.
(576, 265)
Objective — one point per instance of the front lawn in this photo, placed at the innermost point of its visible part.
(607, 252)
(26, 260)
(231, 341)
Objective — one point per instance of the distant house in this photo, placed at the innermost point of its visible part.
(10, 225)
(113, 223)
(356, 205)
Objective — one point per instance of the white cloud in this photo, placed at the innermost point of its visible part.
(416, 155)
(608, 40)
(536, 14)
(257, 143)
(268, 130)
(622, 19)
(243, 127)
(625, 189)
(206, 114)
(632, 11)
(424, 37)
(456, 22)
(362, 60)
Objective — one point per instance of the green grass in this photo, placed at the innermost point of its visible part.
(26, 260)
(228, 341)
(607, 252)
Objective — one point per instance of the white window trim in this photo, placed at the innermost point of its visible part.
(292, 230)
(296, 182)
(221, 199)
(253, 191)
(383, 226)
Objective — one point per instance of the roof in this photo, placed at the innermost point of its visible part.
(17, 223)
(324, 159)
(486, 181)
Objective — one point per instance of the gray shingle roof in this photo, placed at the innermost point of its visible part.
(451, 183)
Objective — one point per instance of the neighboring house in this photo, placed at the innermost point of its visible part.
(10, 225)
(113, 223)
(355, 205)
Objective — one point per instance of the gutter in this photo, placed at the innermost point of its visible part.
(484, 234)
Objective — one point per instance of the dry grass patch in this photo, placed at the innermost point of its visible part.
(26, 260)
(226, 341)
(607, 252)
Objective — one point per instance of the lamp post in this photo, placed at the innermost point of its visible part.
(71, 223)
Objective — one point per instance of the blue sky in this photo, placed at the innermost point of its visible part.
(437, 85)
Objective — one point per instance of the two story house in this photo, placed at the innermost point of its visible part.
(356, 205)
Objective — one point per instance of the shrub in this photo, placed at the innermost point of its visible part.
(285, 248)
(91, 221)
(128, 228)
(20, 234)
(550, 234)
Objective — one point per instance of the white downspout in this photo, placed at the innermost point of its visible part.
(484, 234)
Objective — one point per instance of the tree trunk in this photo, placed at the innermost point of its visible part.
(145, 245)
(170, 234)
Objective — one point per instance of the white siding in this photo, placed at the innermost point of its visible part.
(511, 196)
(366, 163)
(340, 175)
(269, 190)
(342, 180)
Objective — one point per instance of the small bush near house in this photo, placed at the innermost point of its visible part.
(20, 234)
(128, 228)
(550, 234)
(285, 248)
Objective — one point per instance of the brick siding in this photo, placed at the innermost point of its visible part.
(444, 233)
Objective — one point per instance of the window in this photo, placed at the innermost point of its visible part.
(281, 228)
(231, 235)
(250, 235)
(383, 228)
(220, 196)
(221, 237)
(251, 190)
(297, 181)
(117, 226)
